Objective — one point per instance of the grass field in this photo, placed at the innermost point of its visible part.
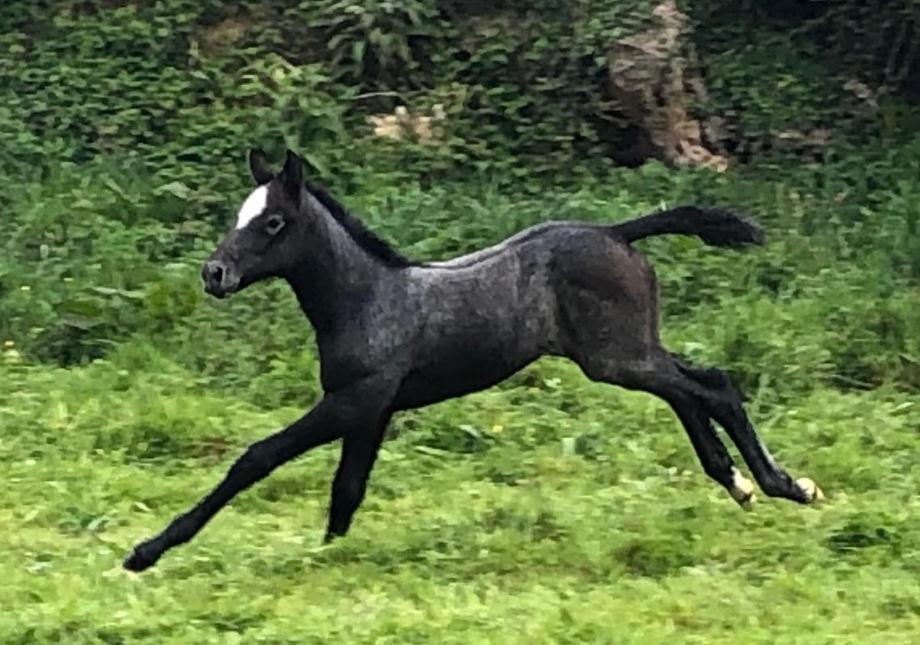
(482, 525)
(547, 510)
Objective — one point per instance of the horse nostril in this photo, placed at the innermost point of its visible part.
(214, 272)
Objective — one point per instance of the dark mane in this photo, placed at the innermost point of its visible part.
(366, 239)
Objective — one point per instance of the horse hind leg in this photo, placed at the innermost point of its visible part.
(723, 401)
(711, 452)
(609, 326)
(699, 395)
(646, 376)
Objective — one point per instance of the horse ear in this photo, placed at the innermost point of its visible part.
(292, 175)
(258, 166)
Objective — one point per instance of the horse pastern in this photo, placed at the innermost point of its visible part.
(742, 490)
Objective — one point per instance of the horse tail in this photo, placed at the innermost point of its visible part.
(714, 226)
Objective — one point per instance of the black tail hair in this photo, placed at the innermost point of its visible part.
(714, 226)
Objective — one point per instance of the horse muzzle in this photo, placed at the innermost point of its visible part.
(219, 279)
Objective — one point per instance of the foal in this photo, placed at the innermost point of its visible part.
(394, 335)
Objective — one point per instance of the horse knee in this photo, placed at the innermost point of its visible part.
(255, 459)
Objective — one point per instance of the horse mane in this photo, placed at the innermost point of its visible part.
(363, 236)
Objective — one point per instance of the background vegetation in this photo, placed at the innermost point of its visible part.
(548, 509)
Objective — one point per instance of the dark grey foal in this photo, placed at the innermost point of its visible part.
(393, 334)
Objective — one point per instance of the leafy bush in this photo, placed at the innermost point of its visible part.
(122, 129)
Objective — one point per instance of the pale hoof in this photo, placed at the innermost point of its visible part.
(742, 490)
(748, 503)
(812, 492)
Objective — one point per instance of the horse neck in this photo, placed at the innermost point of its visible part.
(336, 273)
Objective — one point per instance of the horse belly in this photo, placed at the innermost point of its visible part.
(466, 370)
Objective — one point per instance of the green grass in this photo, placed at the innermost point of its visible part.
(125, 395)
(479, 526)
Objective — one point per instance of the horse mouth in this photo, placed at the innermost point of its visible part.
(219, 291)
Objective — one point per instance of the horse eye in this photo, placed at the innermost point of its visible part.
(274, 224)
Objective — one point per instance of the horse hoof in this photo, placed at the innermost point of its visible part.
(742, 490)
(139, 559)
(810, 488)
(748, 503)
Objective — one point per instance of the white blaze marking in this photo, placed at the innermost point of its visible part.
(252, 207)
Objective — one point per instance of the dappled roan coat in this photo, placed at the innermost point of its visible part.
(394, 334)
